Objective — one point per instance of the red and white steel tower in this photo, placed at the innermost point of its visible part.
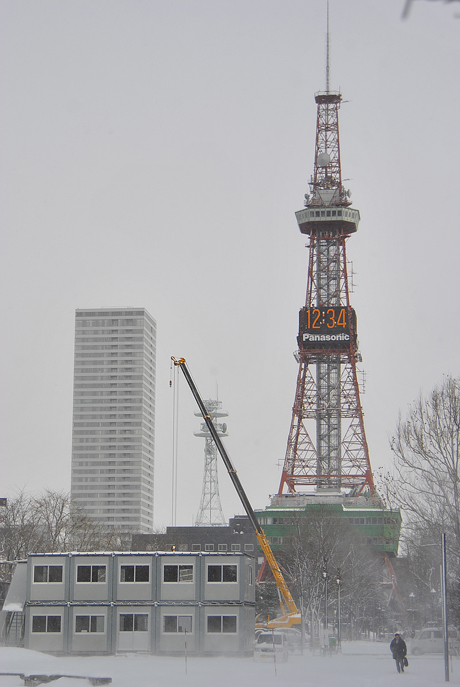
(327, 449)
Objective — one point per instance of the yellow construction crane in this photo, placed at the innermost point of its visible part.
(289, 613)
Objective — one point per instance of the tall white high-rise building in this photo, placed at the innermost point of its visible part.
(113, 416)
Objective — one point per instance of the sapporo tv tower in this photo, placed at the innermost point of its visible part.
(327, 458)
(327, 446)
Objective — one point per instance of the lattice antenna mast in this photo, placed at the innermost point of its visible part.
(327, 51)
(327, 402)
(210, 512)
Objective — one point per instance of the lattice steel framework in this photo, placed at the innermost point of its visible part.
(210, 512)
(327, 399)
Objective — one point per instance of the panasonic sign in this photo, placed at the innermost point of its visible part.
(326, 337)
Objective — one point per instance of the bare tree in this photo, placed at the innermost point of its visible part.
(267, 599)
(50, 522)
(426, 448)
(425, 484)
(323, 546)
(51, 512)
(19, 531)
(84, 534)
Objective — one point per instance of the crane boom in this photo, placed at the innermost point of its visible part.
(291, 615)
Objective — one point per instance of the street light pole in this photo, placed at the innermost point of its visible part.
(325, 597)
(444, 608)
(433, 594)
(339, 629)
(444, 604)
(412, 608)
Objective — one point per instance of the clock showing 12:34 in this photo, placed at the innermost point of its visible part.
(327, 325)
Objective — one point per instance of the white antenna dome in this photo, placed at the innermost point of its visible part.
(323, 160)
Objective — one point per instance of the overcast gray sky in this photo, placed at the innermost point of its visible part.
(154, 153)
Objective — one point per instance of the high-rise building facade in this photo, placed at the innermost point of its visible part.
(113, 417)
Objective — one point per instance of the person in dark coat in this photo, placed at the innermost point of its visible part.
(399, 650)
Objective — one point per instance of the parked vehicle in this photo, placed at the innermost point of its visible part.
(271, 646)
(293, 638)
(430, 640)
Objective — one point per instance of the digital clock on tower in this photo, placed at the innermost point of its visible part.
(326, 327)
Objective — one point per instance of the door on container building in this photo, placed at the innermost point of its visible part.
(133, 629)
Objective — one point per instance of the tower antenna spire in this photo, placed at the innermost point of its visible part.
(327, 50)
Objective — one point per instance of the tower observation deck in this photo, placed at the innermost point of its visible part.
(327, 450)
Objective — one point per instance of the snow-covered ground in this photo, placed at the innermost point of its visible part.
(362, 664)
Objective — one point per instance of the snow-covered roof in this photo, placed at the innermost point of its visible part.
(137, 553)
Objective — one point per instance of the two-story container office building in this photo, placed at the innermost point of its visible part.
(103, 603)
